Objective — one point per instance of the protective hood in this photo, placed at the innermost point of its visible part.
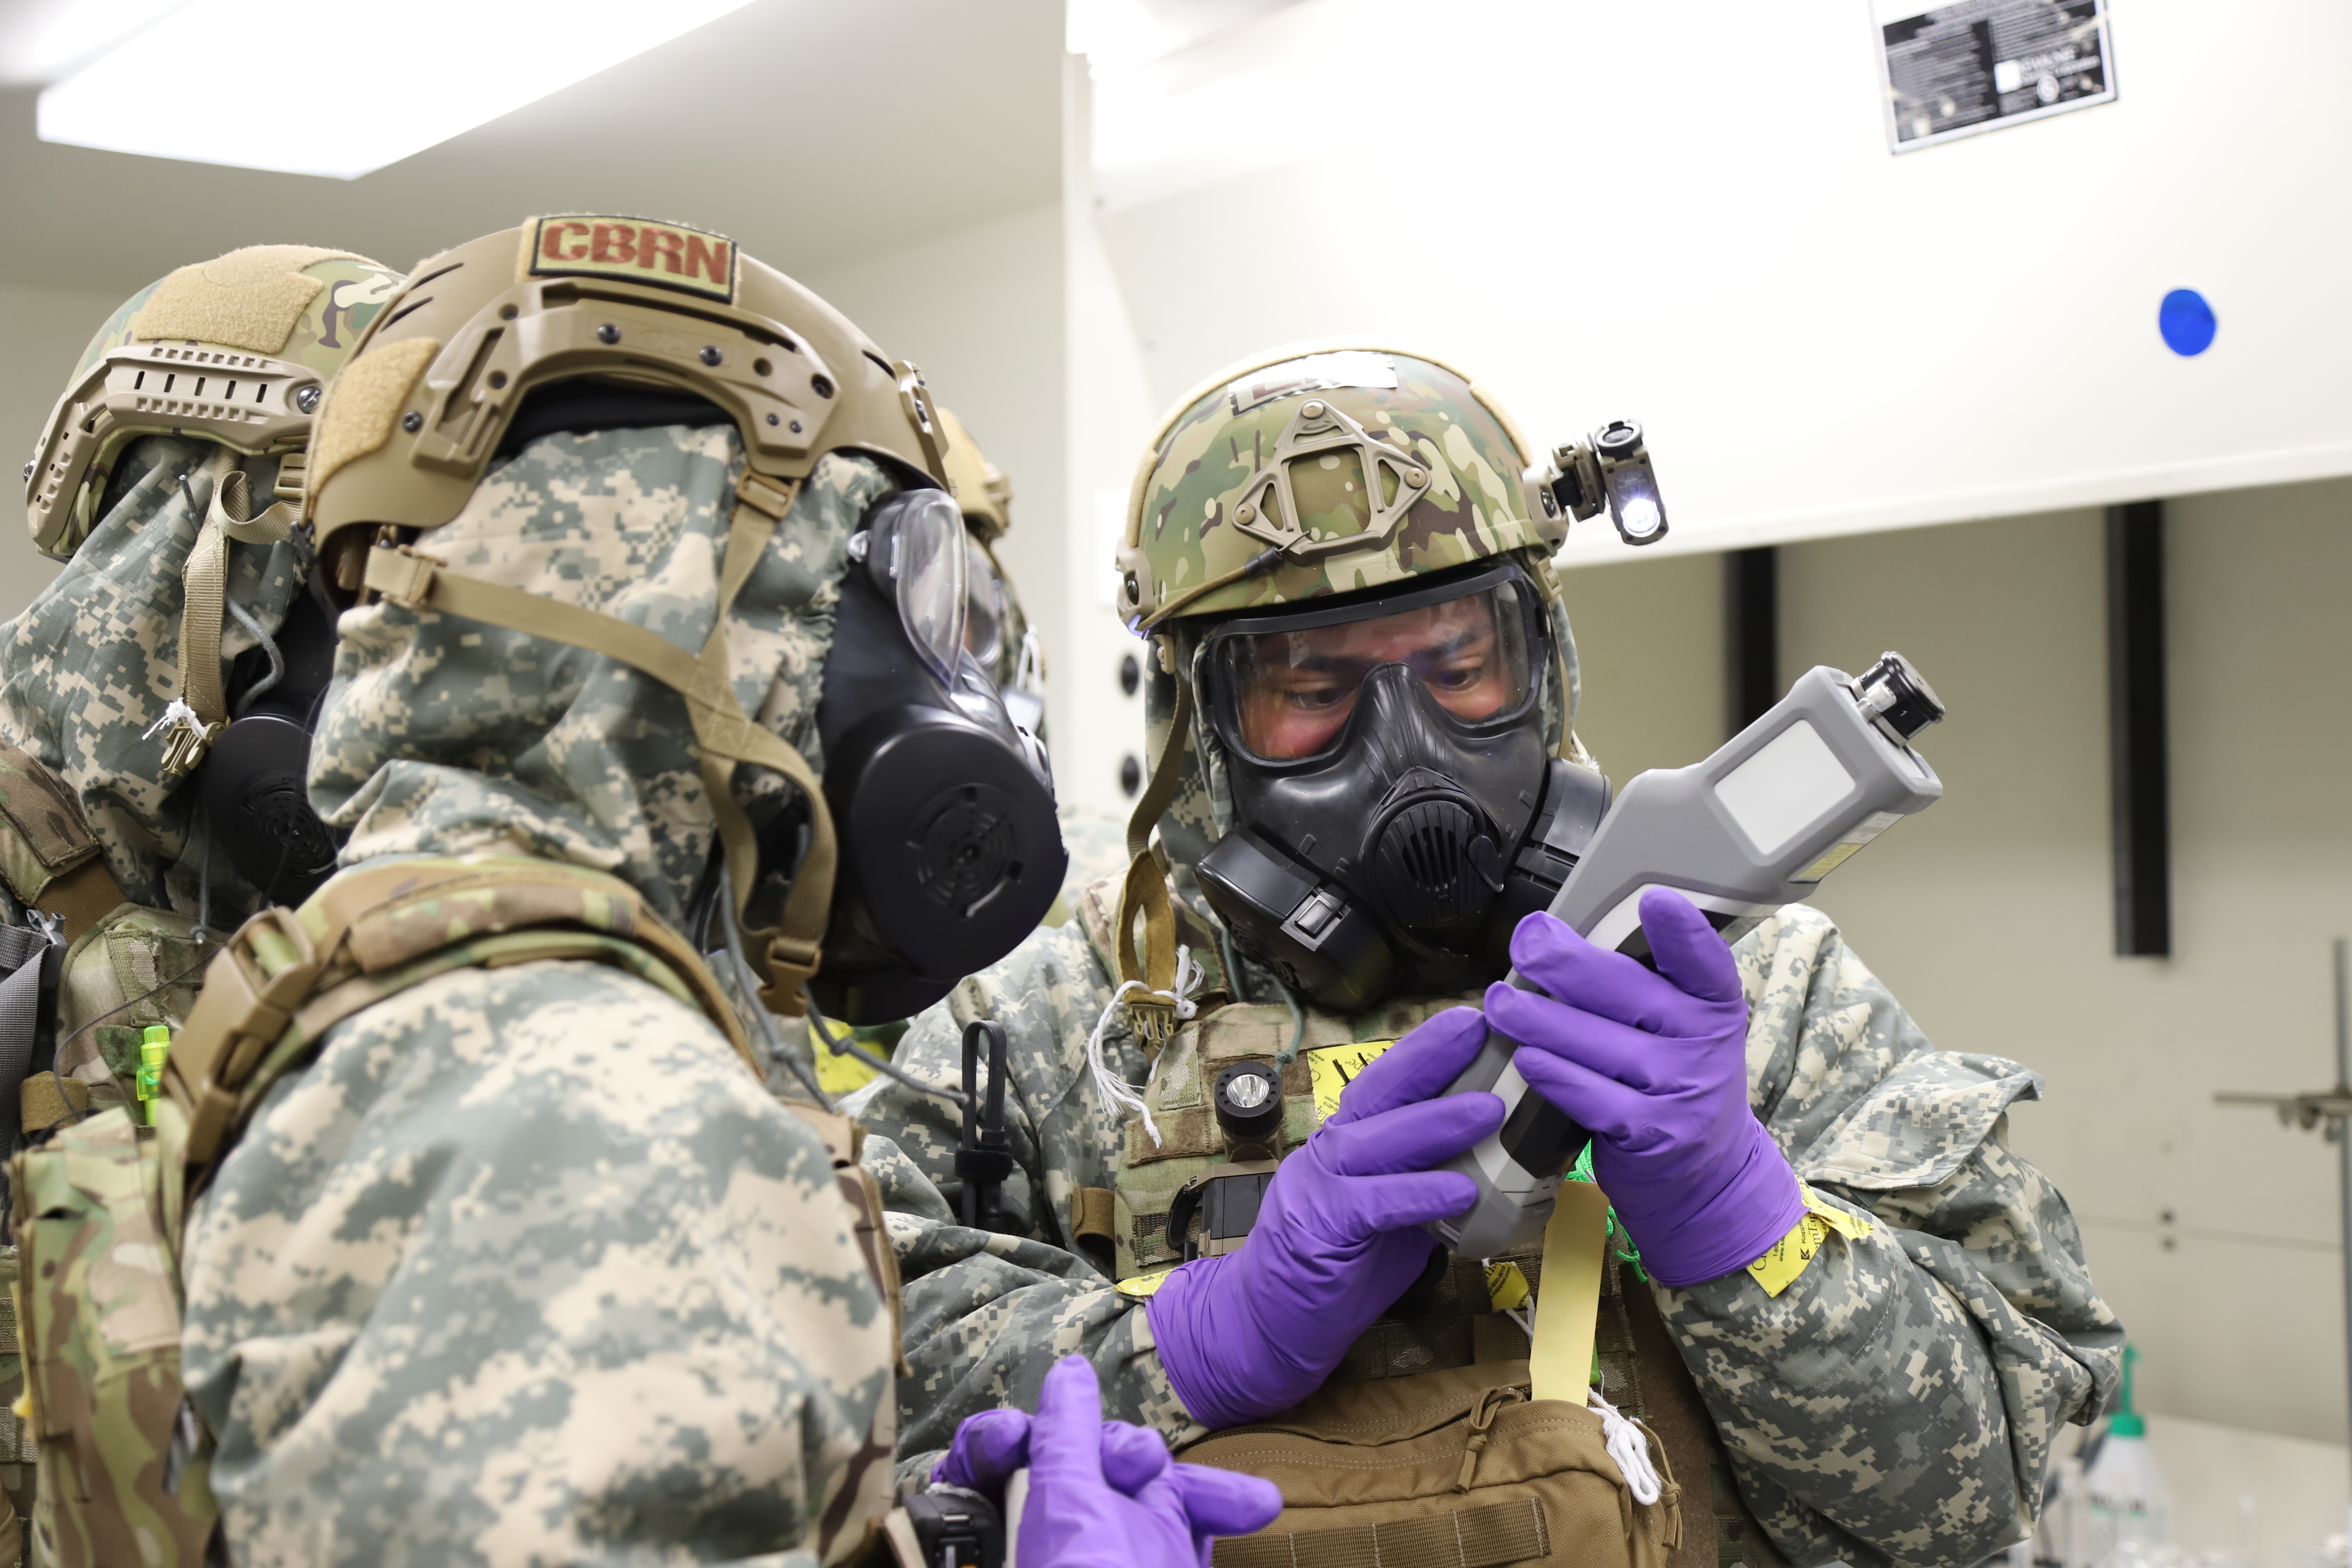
(1202, 811)
(442, 734)
(93, 662)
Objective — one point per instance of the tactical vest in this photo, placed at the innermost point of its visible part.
(122, 967)
(101, 1205)
(1439, 1384)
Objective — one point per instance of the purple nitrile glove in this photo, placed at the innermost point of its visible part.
(989, 1446)
(1336, 1239)
(1081, 1513)
(1656, 1065)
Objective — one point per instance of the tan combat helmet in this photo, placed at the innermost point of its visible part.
(411, 424)
(235, 351)
(996, 629)
(981, 490)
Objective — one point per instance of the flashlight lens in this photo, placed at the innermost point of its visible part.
(1634, 504)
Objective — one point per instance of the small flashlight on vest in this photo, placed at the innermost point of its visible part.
(1249, 1100)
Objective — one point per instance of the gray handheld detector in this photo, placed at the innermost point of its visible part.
(1783, 804)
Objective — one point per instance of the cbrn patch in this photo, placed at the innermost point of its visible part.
(635, 249)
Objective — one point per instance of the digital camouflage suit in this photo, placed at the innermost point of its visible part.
(524, 1265)
(88, 670)
(1895, 1403)
(91, 828)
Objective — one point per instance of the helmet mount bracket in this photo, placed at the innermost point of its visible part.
(1267, 507)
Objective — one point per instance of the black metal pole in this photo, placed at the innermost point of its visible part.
(2139, 750)
(1751, 634)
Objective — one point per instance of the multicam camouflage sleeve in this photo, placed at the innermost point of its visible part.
(1898, 1402)
(527, 1267)
(987, 1315)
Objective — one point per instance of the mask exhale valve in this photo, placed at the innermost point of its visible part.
(1784, 802)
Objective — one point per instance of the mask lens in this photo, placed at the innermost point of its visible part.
(983, 626)
(1288, 694)
(926, 563)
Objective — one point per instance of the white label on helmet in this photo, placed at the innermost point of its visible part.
(1348, 367)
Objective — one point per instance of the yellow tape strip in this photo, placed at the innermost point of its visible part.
(1142, 1286)
(1330, 1069)
(1507, 1287)
(1560, 1363)
(838, 1072)
(1778, 1268)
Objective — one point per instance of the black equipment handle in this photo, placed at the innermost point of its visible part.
(983, 1162)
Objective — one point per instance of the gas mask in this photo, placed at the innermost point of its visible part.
(1398, 809)
(944, 805)
(253, 781)
(1017, 667)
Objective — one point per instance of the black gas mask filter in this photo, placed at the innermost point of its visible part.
(1398, 808)
(949, 850)
(252, 785)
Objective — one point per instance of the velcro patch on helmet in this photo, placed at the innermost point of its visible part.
(635, 249)
(366, 399)
(249, 299)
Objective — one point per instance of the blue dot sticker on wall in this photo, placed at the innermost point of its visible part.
(2187, 323)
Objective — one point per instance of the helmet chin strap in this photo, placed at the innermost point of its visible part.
(199, 708)
(1154, 1002)
(789, 955)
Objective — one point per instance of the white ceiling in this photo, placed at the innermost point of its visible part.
(814, 131)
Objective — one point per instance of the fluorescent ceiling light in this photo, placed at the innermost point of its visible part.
(82, 28)
(327, 87)
(1116, 34)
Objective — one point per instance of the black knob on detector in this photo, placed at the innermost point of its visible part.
(1248, 1098)
(1899, 696)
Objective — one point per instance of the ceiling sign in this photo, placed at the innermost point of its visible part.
(1951, 71)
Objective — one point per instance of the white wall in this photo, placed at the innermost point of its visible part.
(1688, 214)
(2213, 1231)
(47, 330)
(980, 310)
(1112, 410)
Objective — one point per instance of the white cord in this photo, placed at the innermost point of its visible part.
(178, 713)
(1629, 1446)
(1113, 1090)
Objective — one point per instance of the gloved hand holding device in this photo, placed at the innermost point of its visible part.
(1336, 1241)
(1656, 1065)
(1102, 1494)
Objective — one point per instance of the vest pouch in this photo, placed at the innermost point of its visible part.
(1445, 1470)
(136, 966)
(99, 1310)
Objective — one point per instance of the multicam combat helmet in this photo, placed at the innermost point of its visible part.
(1307, 473)
(236, 351)
(1326, 469)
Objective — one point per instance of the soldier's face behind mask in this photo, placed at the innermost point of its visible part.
(1387, 762)
(1297, 689)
